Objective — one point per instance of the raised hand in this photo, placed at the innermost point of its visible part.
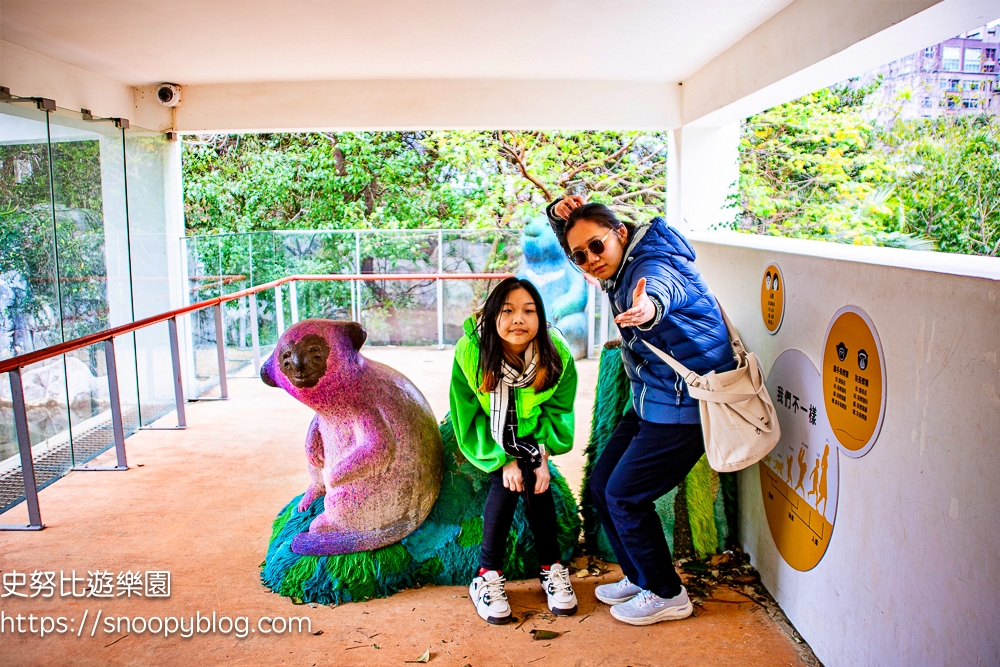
(568, 205)
(643, 309)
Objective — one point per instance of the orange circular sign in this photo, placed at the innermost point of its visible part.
(799, 478)
(772, 298)
(853, 381)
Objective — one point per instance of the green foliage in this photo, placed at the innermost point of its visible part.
(951, 189)
(823, 167)
(410, 180)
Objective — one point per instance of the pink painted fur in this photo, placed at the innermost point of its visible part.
(373, 448)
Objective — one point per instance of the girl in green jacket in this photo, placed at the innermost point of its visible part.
(512, 392)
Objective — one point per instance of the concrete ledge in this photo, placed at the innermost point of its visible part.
(972, 266)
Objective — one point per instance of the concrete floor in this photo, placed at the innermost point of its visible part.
(199, 504)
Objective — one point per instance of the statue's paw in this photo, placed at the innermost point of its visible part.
(310, 497)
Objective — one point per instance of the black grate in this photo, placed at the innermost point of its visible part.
(87, 444)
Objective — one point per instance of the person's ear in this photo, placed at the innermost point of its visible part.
(622, 234)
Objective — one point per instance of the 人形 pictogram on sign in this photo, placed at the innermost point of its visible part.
(772, 298)
(799, 479)
(853, 381)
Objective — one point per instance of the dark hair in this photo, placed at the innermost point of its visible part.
(491, 354)
(597, 213)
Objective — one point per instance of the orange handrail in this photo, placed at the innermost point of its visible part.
(51, 351)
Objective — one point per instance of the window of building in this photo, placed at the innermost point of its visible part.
(930, 52)
(972, 58)
(951, 103)
(989, 60)
(927, 102)
(970, 103)
(951, 58)
(953, 84)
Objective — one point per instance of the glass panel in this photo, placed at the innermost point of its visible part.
(399, 312)
(29, 294)
(395, 312)
(29, 297)
(46, 402)
(88, 165)
(146, 354)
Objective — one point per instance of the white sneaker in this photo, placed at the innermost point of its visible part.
(618, 592)
(490, 598)
(559, 590)
(647, 608)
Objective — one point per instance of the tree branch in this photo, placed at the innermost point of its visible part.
(517, 156)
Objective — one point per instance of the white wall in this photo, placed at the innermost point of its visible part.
(428, 104)
(912, 574)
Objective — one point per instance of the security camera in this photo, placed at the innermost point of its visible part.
(169, 94)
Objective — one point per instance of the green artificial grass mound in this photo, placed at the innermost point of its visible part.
(698, 516)
(444, 550)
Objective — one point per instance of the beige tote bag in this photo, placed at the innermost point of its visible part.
(737, 415)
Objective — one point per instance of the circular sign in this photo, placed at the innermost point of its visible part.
(772, 298)
(853, 380)
(799, 479)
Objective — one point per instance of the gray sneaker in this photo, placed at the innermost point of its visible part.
(618, 592)
(647, 608)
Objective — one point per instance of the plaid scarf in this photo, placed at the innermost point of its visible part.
(503, 417)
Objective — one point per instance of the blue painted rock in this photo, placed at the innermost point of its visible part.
(373, 449)
(562, 286)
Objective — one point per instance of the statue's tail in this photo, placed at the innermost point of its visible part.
(336, 543)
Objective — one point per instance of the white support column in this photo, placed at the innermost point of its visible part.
(293, 294)
(706, 172)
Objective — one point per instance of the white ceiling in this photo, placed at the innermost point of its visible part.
(141, 42)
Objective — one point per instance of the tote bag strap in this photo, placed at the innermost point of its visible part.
(690, 376)
(734, 336)
(693, 380)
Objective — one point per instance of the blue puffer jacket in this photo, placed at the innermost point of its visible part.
(690, 326)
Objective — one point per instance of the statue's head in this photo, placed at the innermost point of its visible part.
(313, 356)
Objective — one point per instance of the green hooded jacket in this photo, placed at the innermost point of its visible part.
(548, 416)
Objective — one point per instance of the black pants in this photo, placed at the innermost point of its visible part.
(641, 462)
(499, 515)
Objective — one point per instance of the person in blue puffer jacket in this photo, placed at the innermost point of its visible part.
(658, 295)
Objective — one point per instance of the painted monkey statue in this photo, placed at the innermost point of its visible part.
(562, 286)
(373, 448)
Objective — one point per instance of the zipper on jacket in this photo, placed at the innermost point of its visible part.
(677, 386)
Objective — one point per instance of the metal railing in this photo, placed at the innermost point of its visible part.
(14, 365)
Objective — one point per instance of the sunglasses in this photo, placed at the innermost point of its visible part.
(596, 247)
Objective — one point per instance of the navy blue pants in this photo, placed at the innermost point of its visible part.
(641, 462)
(498, 516)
